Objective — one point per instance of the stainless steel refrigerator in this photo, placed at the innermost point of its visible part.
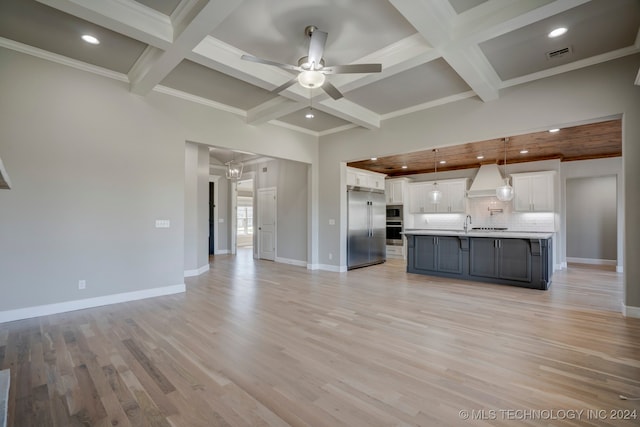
(366, 227)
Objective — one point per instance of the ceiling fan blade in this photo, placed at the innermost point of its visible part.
(331, 90)
(267, 62)
(316, 47)
(353, 68)
(285, 85)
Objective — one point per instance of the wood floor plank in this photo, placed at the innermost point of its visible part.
(163, 383)
(128, 405)
(260, 343)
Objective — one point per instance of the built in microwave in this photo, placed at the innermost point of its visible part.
(394, 211)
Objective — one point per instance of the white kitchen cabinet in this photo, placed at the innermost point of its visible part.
(453, 196)
(362, 178)
(417, 192)
(395, 191)
(533, 192)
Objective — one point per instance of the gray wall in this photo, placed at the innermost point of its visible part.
(593, 169)
(290, 179)
(591, 218)
(600, 91)
(92, 167)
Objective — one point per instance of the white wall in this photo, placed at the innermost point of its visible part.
(92, 167)
(601, 91)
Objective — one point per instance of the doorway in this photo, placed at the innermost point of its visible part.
(212, 222)
(591, 228)
(267, 226)
(244, 213)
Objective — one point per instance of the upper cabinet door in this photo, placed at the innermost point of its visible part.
(362, 178)
(533, 191)
(395, 191)
(456, 196)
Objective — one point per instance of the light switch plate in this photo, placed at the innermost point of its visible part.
(163, 223)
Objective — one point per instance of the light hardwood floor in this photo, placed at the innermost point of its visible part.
(266, 344)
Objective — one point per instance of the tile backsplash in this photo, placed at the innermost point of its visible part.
(489, 212)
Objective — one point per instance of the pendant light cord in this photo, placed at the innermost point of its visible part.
(435, 165)
(505, 158)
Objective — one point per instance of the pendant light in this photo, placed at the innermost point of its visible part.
(505, 192)
(435, 195)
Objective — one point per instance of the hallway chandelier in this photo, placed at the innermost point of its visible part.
(234, 170)
(505, 192)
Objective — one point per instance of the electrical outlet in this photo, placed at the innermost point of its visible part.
(332, 222)
(330, 256)
(82, 284)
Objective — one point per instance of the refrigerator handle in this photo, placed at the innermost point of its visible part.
(370, 219)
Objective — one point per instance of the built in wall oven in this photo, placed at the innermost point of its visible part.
(394, 225)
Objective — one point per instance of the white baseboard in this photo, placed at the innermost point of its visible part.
(222, 252)
(289, 261)
(327, 267)
(630, 311)
(63, 307)
(561, 266)
(592, 261)
(190, 273)
(5, 382)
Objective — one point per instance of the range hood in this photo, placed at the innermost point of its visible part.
(486, 181)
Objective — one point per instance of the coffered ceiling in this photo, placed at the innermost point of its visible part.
(432, 51)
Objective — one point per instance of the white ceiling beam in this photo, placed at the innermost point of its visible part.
(434, 20)
(349, 111)
(400, 56)
(497, 17)
(152, 68)
(271, 110)
(122, 16)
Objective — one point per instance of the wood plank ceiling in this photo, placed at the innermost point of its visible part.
(592, 141)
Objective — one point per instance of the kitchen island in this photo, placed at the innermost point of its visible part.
(503, 257)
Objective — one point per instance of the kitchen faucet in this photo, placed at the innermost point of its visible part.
(466, 225)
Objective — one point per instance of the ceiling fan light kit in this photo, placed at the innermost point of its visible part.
(311, 68)
(311, 79)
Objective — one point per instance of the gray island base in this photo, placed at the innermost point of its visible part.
(505, 258)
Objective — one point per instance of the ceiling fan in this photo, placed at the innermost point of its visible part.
(311, 68)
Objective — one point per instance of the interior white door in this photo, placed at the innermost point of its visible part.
(267, 199)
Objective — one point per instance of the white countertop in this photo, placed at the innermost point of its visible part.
(481, 233)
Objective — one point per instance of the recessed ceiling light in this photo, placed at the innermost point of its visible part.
(442, 162)
(480, 157)
(373, 159)
(404, 166)
(524, 151)
(90, 39)
(557, 32)
(554, 130)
